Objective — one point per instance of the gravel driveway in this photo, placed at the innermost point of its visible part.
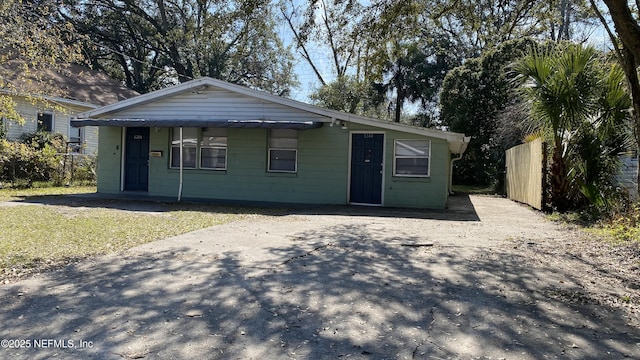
(480, 280)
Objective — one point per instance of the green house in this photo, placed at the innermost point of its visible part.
(208, 139)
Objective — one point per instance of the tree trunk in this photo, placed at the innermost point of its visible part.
(558, 178)
(629, 65)
(626, 25)
(398, 109)
(628, 31)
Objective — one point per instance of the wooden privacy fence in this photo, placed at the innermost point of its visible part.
(524, 178)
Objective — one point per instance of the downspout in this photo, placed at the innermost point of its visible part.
(180, 186)
(463, 147)
(451, 173)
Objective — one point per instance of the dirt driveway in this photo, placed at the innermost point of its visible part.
(487, 278)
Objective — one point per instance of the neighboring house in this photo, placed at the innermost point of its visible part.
(70, 90)
(245, 145)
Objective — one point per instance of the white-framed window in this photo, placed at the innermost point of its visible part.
(189, 147)
(213, 149)
(204, 148)
(75, 138)
(411, 158)
(44, 122)
(283, 150)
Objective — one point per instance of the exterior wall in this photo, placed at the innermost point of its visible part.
(109, 158)
(61, 123)
(322, 176)
(429, 192)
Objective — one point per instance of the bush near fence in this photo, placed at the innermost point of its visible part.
(43, 158)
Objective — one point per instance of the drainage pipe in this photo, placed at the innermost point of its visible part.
(451, 173)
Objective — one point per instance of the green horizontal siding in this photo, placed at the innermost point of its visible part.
(322, 176)
(109, 157)
(430, 192)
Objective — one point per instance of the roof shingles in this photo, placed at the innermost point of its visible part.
(72, 82)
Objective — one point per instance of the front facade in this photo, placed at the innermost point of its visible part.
(243, 145)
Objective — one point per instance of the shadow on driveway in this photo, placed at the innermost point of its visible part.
(345, 291)
(459, 206)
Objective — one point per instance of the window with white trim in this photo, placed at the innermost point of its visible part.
(189, 148)
(45, 122)
(204, 148)
(75, 138)
(213, 149)
(411, 158)
(283, 150)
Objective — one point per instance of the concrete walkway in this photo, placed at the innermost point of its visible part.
(378, 284)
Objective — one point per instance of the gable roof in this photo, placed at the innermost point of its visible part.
(74, 83)
(457, 142)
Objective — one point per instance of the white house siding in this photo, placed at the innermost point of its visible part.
(61, 123)
(215, 104)
(628, 176)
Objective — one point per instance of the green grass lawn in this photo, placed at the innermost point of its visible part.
(35, 237)
(474, 189)
(14, 194)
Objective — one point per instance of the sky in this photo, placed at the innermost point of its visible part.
(322, 57)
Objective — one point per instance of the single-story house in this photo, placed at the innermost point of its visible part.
(48, 100)
(209, 139)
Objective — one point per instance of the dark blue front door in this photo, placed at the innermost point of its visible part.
(366, 168)
(136, 169)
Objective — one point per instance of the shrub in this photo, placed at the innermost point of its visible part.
(21, 164)
(78, 168)
(40, 139)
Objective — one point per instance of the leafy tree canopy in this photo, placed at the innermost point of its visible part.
(472, 98)
(29, 43)
(152, 44)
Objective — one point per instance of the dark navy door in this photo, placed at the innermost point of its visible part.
(136, 168)
(366, 168)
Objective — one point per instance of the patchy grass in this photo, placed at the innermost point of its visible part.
(13, 194)
(618, 229)
(38, 237)
(575, 218)
(474, 189)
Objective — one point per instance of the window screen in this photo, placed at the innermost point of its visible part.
(189, 147)
(283, 150)
(411, 157)
(213, 149)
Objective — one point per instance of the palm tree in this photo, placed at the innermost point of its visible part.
(407, 78)
(581, 108)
